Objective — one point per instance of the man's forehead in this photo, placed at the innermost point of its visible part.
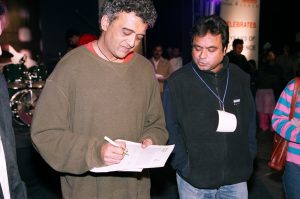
(130, 21)
(208, 38)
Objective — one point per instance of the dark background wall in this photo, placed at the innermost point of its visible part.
(23, 14)
(51, 19)
(172, 28)
(279, 22)
(57, 17)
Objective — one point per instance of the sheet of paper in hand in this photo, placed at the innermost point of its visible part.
(137, 159)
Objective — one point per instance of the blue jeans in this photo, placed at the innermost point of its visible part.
(291, 180)
(235, 191)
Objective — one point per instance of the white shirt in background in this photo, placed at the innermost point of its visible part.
(176, 63)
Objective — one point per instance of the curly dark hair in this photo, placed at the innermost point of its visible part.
(212, 24)
(142, 8)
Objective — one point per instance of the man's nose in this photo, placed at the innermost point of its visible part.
(203, 53)
(131, 41)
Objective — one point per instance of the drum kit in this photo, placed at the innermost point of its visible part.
(24, 86)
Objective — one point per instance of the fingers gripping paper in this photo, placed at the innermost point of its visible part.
(138, 158)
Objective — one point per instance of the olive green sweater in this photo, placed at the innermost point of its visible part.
(86, 98)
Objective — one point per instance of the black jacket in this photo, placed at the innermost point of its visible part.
(203, 157)
(240, 60)
(16, 186)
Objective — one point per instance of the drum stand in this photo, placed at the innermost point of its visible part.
(24, 101)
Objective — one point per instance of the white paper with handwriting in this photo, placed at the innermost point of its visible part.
(137, 159)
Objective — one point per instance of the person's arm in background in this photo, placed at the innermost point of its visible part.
(280, 119)
(252, 126)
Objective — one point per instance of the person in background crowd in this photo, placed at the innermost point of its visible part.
(268, 86)
(72, 37)
(290, 130)
(11, 185)
(235, 55)
(210, 163)
(161, 66)
(176, 60)
(75, 39)
(102, 89)
(86, 38)
(286, 62)
(253, 76)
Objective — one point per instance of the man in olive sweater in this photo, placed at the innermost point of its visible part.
(102, 89)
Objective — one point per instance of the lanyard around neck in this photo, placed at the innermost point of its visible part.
(220, 100)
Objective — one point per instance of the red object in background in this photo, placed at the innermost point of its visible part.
(86, 38)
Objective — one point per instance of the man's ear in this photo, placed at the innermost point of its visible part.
(104, 22)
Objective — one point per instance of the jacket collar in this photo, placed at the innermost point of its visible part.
(222, 71)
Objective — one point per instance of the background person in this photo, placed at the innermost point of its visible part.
(236, 57)
(269, 86)
(290, 130)
(176, 59)
(253, 76)
(161, 66)
(71, 37)
(86, 38)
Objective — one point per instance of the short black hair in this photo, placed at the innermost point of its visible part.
(70, 33)
(236, 42)
(212, 24)
(142, 8)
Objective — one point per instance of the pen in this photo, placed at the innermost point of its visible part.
(115, 144)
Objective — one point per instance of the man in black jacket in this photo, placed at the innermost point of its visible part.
(11, 185)
(236, 57)
(210, 162)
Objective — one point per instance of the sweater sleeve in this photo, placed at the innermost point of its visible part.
(52, 135)
(280, 118)
(155, 126)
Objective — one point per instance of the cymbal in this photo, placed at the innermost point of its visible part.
(39, 84)
(16, 85)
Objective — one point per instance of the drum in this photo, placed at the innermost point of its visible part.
(36, 76)
(15, 76)
(22, 105)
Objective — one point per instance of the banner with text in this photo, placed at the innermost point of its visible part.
(242, 17)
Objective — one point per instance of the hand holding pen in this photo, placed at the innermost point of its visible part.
(113, 152)
(116, 144)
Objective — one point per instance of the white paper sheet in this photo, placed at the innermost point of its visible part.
(137, 159)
